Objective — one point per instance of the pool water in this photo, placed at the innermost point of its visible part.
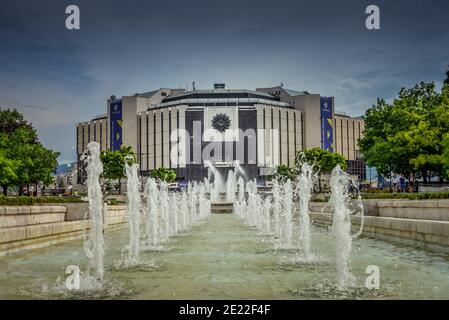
(222, 258)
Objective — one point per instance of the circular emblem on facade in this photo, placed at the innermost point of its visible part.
(221, 122)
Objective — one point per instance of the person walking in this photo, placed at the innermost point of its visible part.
(395, 183)
(402, 183)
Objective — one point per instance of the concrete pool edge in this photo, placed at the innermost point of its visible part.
(422, 223)
(20, 235)
(427, 234)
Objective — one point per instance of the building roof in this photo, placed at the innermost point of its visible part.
(101, 116)
(221, 93)
(148, 94)
(225, 93)
(295, 93)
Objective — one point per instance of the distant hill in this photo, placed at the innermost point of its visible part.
(64, 168)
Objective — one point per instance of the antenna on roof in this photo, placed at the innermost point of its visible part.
(282, 85)
(193, 86)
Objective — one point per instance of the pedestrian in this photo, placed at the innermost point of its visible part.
(402, 183)
(395, 183)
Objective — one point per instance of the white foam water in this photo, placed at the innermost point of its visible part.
(94, 246)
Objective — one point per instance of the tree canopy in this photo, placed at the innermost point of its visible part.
(446, 81)
(407, 136)
(11, 120)
(23, 159)
(114, 163)
(284, 173)
(163, 174)
(322, 161)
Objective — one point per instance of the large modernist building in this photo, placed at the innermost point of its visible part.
(188, 131)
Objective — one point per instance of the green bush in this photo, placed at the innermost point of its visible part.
(29, 201)
(405, 196)
(408, 196)
(163, 174)
(377, 191)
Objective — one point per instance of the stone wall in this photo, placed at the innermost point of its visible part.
(429, 234)
(370, 207)
(26, 227)
(416, 209)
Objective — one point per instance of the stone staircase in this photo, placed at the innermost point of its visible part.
(222, 208)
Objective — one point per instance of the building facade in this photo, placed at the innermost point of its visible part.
(245, 130)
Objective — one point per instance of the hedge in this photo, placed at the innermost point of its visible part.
(405, 196)
(28, 201)
(408, 196)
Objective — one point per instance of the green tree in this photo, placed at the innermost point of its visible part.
(114, 163)
(25, 160)
(323, 161)
(446, 81)
(163, 174)
(443, 118)
(284, 173)
(11, 120)
(446, 155)
(406, 136)
(8, 169)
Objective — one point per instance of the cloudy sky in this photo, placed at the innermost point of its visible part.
(58, 77)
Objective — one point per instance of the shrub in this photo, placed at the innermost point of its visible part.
(29, 201)
(405, 196)
(408, 196)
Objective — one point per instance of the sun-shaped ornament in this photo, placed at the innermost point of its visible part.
(221, 122)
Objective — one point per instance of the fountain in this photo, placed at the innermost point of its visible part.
(240, 204)
(134, 208)
(204, 203)
(251, 209)
(184, 210)
(224, 243)
(239, 171)
(94, 246)
(152, 221)
(304, 191)
(164, 200)
(341, 227)
(267, 215)
(285, 239)
(241, 190)
(207, 185)
(217, 187)
(230, 187)
(173, 213)
(192, 200)
(277, 207)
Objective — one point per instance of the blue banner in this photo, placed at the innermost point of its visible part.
(327, 124)
(116, 124)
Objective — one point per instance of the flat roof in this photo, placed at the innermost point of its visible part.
(220, 93)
